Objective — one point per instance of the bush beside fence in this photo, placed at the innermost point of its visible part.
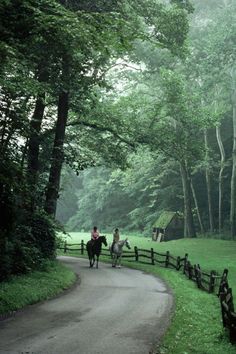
(211, 282)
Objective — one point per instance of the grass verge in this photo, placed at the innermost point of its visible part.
(34, 287)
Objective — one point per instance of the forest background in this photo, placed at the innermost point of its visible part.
(174, 146)
(131, 106)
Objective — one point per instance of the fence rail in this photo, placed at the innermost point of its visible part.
(227, 307)
(211, 282)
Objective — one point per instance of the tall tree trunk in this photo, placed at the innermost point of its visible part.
(185, 222)
(197, 208)
(187, 199)
(220, 178)
(34, 141)
(34, 136)
(233, 176)
(33, 148)
(23, 158)
(57, 158)
(4, 122)
(208, 183)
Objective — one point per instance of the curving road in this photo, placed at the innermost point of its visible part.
(109, 311)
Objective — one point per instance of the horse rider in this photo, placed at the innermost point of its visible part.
(116, 238)
(94, 234)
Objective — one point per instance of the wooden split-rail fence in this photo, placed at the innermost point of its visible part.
(227, 307)
(211, 282)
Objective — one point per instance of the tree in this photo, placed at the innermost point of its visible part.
(221, 50)
(79, 45)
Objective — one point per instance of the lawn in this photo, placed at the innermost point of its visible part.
(196, 326)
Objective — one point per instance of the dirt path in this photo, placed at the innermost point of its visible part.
(118, 311)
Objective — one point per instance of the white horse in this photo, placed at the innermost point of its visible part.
(116, 253)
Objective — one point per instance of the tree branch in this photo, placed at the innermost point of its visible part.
(103, 129)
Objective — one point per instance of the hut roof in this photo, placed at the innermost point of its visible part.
(164, 219)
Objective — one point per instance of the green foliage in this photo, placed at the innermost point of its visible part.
(43, 234)
(5, 260)
(184, 4)
(38, 38)
(31, 241)
(25, 257)
(131, 198)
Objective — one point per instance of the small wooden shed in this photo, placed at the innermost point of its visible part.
(169, 226)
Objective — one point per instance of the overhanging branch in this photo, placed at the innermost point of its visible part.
(103, 129)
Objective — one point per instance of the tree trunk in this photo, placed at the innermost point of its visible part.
(52, 191)
(233, 176)
(197, 208)
(220, 178)
(4, 122)
(185, 222)
(23, 158)
(187, 199)
(35, 127)
(208, 183)
(33, 148)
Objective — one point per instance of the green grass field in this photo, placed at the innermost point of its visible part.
(196, 326)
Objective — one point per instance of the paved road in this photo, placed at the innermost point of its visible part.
(110, 311)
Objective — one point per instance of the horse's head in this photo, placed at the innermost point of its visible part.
(103, 240)
(127, 244)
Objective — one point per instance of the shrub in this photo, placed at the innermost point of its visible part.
(5, 258)
(44, 234)
(27, 246)
(25, 258)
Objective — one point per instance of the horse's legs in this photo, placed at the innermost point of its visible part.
(92, 261)
(113, 260)
(119, 262)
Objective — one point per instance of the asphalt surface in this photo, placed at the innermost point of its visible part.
(109, 311)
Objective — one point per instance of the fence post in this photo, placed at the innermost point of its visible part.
(223, 281)
(65, 246)
(152, 257)
(178, 263)
(231, 317)
(189, 270)
(82, 246)
(167, 259)
(212, 282)
(197, 273)
(185, 262)
(136, 253)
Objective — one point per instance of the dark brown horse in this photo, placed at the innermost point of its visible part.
(94, 249)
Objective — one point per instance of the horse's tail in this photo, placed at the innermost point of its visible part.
(89, 248)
